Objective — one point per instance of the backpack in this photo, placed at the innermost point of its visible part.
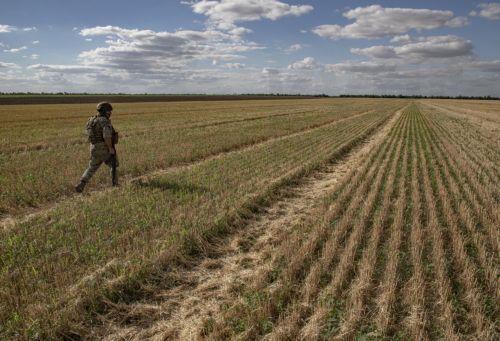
(92, 133)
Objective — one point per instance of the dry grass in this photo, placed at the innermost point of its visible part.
(408, 247)
(404, 246)
(37, 140)
(57, 263)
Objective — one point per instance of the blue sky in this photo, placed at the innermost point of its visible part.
(240, 46)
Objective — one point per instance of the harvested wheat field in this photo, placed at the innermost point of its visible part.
(294, 219)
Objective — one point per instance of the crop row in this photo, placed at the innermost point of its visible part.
(73, 253)
(406, 248)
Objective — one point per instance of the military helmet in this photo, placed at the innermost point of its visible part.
(104, 107)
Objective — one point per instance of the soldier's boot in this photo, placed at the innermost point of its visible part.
(81, 185)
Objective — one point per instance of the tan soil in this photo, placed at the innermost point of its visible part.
(182, 311)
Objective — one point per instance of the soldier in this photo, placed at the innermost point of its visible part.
(102, 137)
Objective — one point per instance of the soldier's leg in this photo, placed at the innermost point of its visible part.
(98, 155)
(94, 165)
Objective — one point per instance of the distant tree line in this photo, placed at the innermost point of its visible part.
(247, 94)
(422, 97)
(148, 94)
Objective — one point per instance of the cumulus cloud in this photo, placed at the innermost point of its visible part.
(308, 63)
(29, 29)
(423, 48)
(17, 49)
(488, 10)
(379, 51)
(228, 12)
(376, 21)
(35, 42)
(147, 51)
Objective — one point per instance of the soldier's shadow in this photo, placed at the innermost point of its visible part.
(174, 187)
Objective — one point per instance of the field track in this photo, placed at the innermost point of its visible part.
(203, 288)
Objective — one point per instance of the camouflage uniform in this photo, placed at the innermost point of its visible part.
(98, 128)
(99, 152)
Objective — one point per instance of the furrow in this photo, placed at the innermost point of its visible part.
(488, 215)
(464, 267)
(323, 305)
(414, 293)
(356, 295)
(388, 286)
(446, 315)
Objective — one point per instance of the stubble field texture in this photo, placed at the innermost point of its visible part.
(311, 219)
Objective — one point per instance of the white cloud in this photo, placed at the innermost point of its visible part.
(376, 21)
(7, 28)
(436, 47)
(294, 48)
(307, 63)
(35, 42)
(488, 10)
(402, 39)
(457, 22)
(15, 50)
(34, 56)
(360, 67)
(88, 39)
(239, 31)
(147, 51)
(224, 14)
(67, 69)
(234, 65)
(146, 59)
(268, 71)
(423, 48)
(4, 65)
(379, 51)
(484, 66)
(231, 11)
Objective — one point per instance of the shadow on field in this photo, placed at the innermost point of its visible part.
(174, 187)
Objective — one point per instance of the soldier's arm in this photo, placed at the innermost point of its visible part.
(109, 143)
(107, 134)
